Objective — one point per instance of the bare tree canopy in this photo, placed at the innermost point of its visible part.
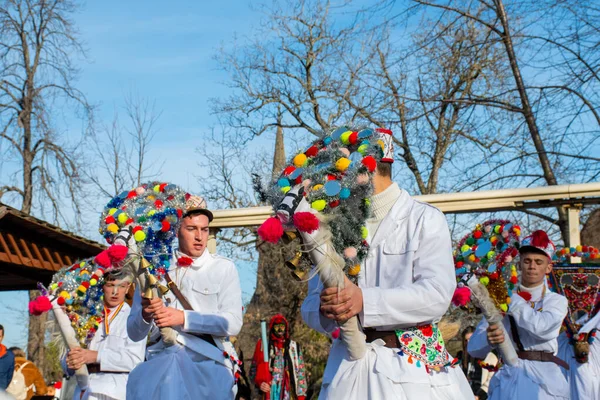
(37, 44)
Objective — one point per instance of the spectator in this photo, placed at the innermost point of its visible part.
(27, 379)
(7, 363)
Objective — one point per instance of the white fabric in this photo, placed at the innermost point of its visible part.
(538, 330)
(584, 379)
(194, 368)
(407, 280)
(116, 352)
(486, 376)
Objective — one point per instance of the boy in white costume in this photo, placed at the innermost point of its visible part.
(404, 288)
(111, 355)
(194, 367)
(537, 315)
(584, 374)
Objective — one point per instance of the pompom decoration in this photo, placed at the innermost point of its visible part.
(117, 253)
(306, 222)
(103, 259)
(336, 333)
(461, 296)
(40, 305)
(338, 183)
(271, 230)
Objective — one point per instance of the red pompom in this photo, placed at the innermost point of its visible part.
(184, 261)
(288, 170)
(330, 177)
(298, 180)
(103, 259)
(462, 295)
(312, 151)
(477, 234)
(306, 222)
(334, 204)
(85, 284)
(109, 220)
(353, 138)
(540, 239)
(129, 221)
(137, 228)
(271, 230)
(459, 264)
(525, 295)
(158, 204)
(179, 213)
(494, 276)
(61, 301)
(58, 385)
(131, 194)
(513, 280)
(40, 305)
(370, 163)
(117, 253)
(165, 226)
(162, 187)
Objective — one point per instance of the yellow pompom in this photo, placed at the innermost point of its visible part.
(484, 281)
(317, 187)
(93, 282)
(362, 149)
(508, 300)
(578, 248)
(82, 288)
(65, 295)
(299, 160)
(345, 137)
(84, 272)
(491, 255)
(112, 211)
(364, 232)
(319, 205)
(504, 307)
(342, 164)
(472, 258)
(381, 144)
(123, 218)
(157, 188)
(54, 286)
(151, 213)
(368, 202)
(112, 228)
(82, 264)
(139, 236)
(353, 271)
(465, 247)
(285, 189)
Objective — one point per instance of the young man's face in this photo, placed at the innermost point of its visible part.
(114, 292)
(534, 267)
(193, 235)
(279, 330)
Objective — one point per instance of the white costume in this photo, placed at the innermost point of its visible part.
(195, 368)
(584, 379)
(116, 353)
(407, 280)
(538, 329)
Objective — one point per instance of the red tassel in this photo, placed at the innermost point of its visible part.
(40, 305)
(462, 295)
(263, 375)
(103, 259)
(271, 230)
(540, 239)
(116, 253)
(306, 222)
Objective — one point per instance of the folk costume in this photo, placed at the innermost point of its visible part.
(286, 364)
(533, 322)
(584, 372)
(407, 281)
(202, 363)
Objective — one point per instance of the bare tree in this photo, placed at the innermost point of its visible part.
(121, 149)
(37, 43)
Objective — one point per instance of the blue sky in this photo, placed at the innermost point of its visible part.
(163, 51)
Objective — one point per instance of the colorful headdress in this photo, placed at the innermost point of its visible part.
(334, 175)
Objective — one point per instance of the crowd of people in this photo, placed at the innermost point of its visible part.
(403, 291)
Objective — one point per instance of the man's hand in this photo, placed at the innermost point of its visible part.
(167, 316)
(77, 357)
(150, 307)
(495, 334)
(265, 387)
(341, 305)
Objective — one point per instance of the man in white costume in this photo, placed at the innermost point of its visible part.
(111, 355)
(404, 288)
(584, 374)
(195, 367)
(537, 315)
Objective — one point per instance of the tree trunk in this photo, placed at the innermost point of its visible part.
(530, 116)
(37, 330)
(279, 154)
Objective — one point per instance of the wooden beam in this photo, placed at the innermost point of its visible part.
(55, 266)
(45, 264)
(68, 259)
(12, 257)
(13, 243)
(60, 261)
(35, 262)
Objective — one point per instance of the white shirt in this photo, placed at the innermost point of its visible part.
(116, 352)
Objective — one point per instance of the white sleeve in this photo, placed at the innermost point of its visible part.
(121, 354)
(137, 327)
(478, 346)
(427, 297)
(543, 325)
(310, 310)
(228, 320)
